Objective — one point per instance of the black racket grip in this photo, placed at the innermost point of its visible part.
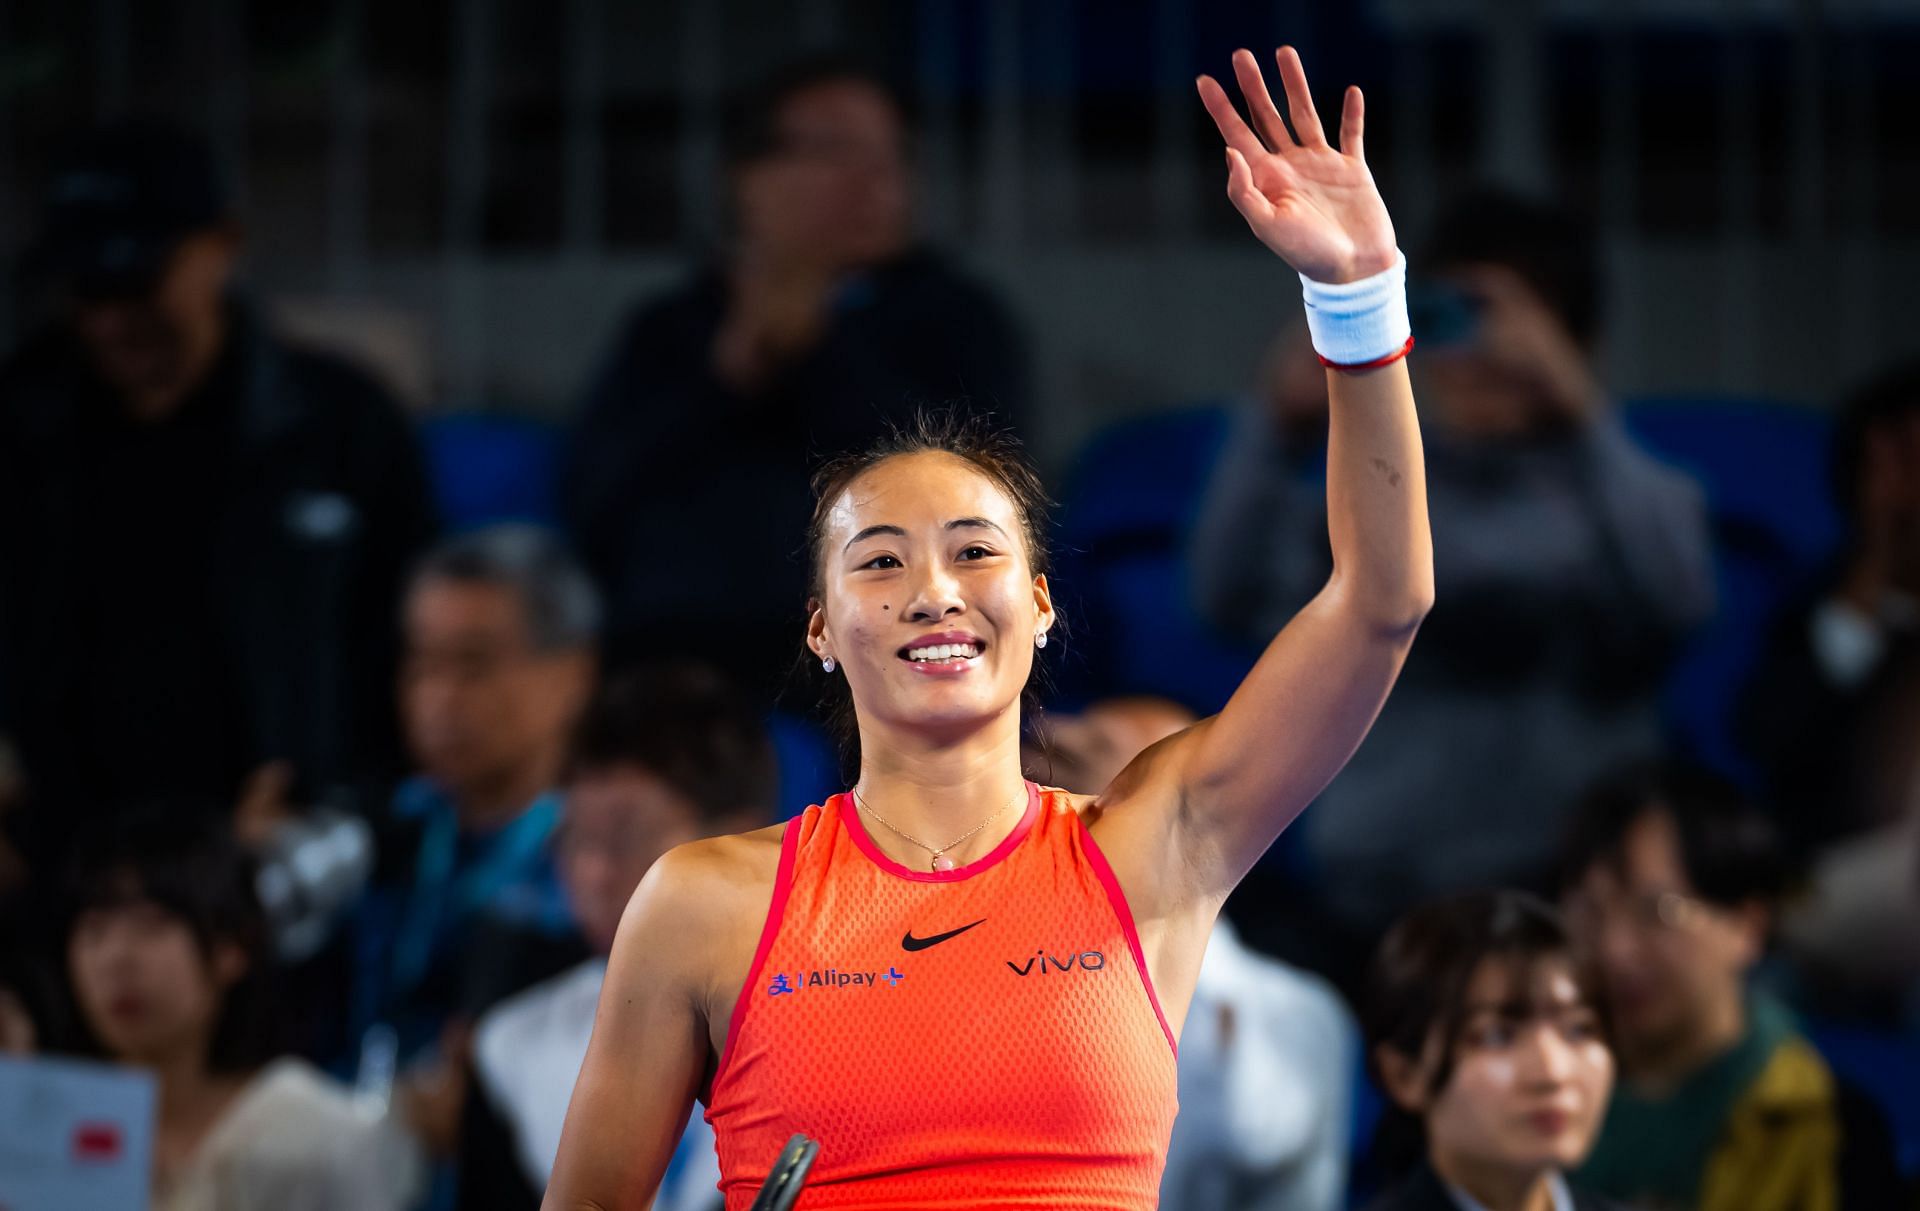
(788, 1176)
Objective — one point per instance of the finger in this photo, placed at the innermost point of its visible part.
(1227, 119)
(1353, 123)
(266, 787)
(1246, 197)
(1253, 87)
(1293, 78)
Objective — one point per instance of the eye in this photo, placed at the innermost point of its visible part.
(1581, 1028)
(975, 552)
(881, 563)
(1490, 1034)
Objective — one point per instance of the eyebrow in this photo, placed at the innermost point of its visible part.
(958, 523)
(974, 523)
(1535, 1007)
(872, 531)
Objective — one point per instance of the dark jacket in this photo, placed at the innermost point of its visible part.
(1833, 753)
(1424, 1192)
(310, 502)
(689, 500)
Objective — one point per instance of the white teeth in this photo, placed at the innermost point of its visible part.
(944, 651)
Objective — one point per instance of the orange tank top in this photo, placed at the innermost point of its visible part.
(985, 1036)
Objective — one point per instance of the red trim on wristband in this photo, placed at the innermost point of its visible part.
(1375, 364)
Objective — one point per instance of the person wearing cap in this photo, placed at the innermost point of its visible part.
(203, 529)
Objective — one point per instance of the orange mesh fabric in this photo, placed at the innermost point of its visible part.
(1021, 1061)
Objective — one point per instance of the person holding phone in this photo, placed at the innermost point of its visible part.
(1570, 565)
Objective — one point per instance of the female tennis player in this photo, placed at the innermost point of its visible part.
(969, 989)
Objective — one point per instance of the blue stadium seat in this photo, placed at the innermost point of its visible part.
(1763, 465)
(1886, 1067)
(809, 767)
(490, 468)
(1122, 579)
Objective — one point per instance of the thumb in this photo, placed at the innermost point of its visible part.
(1240, 188)
(263, 796)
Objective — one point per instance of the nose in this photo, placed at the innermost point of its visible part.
(935, 595)
(1549, 1056)
(1615, 943)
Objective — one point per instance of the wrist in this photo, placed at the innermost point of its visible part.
(1364, 266)
(1362, 323)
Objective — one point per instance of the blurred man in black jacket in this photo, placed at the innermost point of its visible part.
(686, 482)
(202, 530)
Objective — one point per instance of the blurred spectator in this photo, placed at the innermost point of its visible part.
(1569, 564)
(164, 952)
(500, 631)
(1267, 1055)
(821, 317)
(1831, 715)
(660, 759)
(1723, 1105)
(1489, 1038)
(203, 529)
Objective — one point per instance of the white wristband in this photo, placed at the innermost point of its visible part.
(1357, 322)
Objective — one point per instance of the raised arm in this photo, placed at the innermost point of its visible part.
(1235, 780)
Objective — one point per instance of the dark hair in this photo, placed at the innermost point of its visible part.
(752, 120)
(178, 857)
(1729, 848)
(1889, 395)
(562, 604)
(1553, 249)
(685, 725)
(993, 452)
(1416, 987)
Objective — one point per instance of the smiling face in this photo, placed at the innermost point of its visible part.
(928, 599)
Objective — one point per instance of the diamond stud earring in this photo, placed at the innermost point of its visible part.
(1039, 639)
(828, 664)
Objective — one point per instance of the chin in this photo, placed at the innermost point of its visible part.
(1562, 1154)
(945, 711)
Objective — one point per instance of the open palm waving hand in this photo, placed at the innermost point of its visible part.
(1315, 205)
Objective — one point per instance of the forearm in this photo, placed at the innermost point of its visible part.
(1377, 498)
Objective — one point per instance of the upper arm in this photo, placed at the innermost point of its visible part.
(1215, 796)
(650, 1047)
(1290, 727)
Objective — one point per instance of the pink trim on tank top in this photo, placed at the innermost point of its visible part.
(776, 912)
(1121, 909)
(857, 829)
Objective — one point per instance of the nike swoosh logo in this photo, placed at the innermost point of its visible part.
(909, 942)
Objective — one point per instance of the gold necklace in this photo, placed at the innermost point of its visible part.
(940, 860)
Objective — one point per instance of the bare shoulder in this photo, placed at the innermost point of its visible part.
(702, 885)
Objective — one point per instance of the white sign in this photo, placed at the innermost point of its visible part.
(74, 1134)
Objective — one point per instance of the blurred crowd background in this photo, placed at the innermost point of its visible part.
(405, 434)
